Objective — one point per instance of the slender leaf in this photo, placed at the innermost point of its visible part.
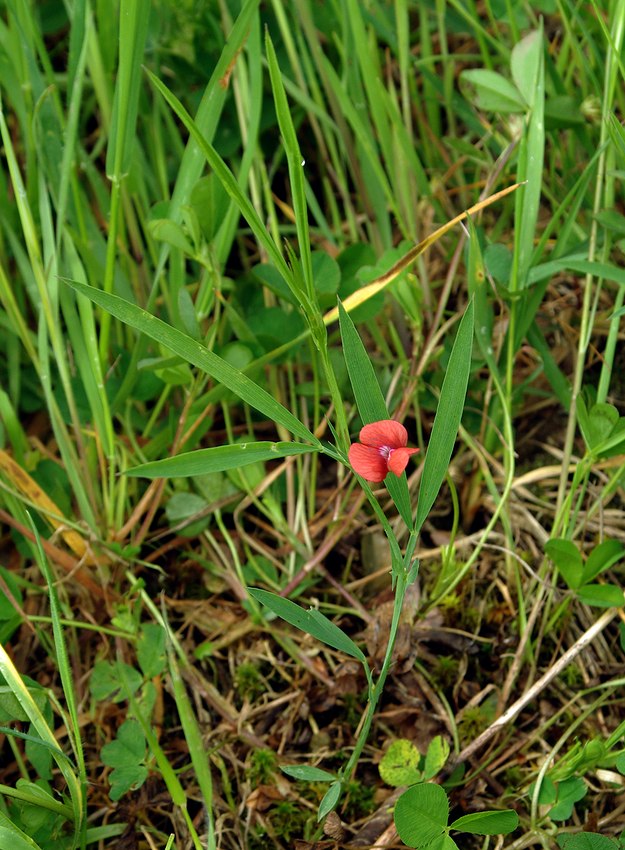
(307, 774)
(133, 28)
(447, 419)
(370, 401)
(330, 799)
(217, 459)
(312, 622)
(197, 354)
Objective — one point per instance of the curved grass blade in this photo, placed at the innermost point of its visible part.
(229, 183)
(364, 293)
(197, 354)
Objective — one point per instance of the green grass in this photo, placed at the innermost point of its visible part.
(186, 191)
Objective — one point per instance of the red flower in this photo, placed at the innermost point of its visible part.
(382, 450)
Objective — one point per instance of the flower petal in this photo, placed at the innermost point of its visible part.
(398, 459)
(368, 462)
(386, 432)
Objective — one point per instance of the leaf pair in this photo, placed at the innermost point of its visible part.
(372, 407)
(579, 575)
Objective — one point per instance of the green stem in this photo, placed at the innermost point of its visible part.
(404, 579)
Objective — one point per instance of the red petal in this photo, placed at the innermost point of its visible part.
(368, 462)
(386, 432)
(398, 459)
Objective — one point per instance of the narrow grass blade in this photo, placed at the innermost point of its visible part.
(197, 354)
(133, 28)
(26, 701)
(193, 737)
(528, 72)
(370, 402)
(230, 184)
(447, 419)
(296, 167)
(65, 672)
(217, 459)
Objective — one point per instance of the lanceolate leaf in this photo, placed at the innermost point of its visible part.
(447, 419)
(307, 774)
(197, 354)
(312, 622)
(370, 401)
(217, 459)
(330, 799)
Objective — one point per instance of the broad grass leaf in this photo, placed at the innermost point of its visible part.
(217, 459)
(421, 814)
(312, 622)
(447, 419)
(307, 774)
(370, 401)
(198, 355)
(526, 65)
(487, 823)
(133, 30)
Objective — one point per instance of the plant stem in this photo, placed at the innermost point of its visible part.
(402, 583)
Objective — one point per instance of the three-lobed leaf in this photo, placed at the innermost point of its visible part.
(126, 755)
